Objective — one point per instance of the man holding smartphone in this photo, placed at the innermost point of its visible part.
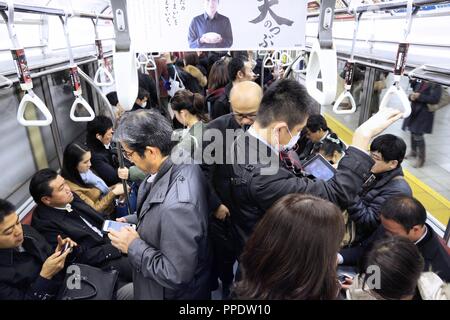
(29, 269)
(169, 252)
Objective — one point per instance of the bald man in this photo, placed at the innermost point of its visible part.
(245, 98)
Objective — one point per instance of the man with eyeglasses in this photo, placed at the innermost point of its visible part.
(245, 98)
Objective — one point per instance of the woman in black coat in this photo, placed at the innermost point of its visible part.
(421, 119)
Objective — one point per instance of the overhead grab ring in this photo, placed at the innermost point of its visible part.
(75, 79)
(79, 100)
(151, 65)
(142, 60)
(102, 77)
(349, 71)
(23, 73)
(399, 68)
(323, 59)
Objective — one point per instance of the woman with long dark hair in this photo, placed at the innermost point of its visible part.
(292, 252)
(85, 183)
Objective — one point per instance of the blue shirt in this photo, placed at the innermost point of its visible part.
(203, 24)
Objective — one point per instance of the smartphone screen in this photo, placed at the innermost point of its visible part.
(116, 226)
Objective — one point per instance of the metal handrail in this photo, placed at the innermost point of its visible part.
(382, 6)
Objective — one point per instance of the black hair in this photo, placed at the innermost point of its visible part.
(240, 54)
(6, 208)
(399, 264)
(40, 184)
(317, 122)
(330, 144)
(100, 125)
(192, 102)
(405, 210)
(234, 66)
(112, 98)
(391, 147)
(142, 93)
(73, 154)
(285, 100)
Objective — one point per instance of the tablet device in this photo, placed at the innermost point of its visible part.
(319, 167)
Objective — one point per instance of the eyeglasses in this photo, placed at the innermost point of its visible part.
(242, 116)
(127, 154)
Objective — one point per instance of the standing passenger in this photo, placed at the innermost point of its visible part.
(292, 252)
(170, 251)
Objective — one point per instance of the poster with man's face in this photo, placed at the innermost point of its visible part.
(197, 25)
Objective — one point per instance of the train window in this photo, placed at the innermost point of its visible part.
(24, 149)
(62, 99)
(425, 134)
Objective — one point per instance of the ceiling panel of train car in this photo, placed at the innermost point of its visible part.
(43, 36)
(79, 5)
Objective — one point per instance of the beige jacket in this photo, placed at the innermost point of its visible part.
(430, 286)
(197, 74)
(92, 196)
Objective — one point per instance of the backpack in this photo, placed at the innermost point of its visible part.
(443, 101)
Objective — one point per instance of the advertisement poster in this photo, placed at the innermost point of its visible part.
(197, 25)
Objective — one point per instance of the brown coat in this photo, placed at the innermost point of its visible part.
(92, 196)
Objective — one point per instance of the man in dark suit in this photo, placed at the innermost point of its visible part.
(405, 216)
(60, 212)
(29, 268)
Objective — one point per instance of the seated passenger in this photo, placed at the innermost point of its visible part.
(388, 152)
(292, 252)
(85, 183)
(405, 216)
(169, 251)
(103, 157)
(332, 149)
(60, 212)
(393, 271)
(29, 269)
(189, 111)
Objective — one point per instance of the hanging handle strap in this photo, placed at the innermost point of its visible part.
(405, 105)
(79, 101)
(102, 77)
(151, 65)
(31, 98)
(23, 73)
(65, 21)
(400, 63)
(337, 103)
